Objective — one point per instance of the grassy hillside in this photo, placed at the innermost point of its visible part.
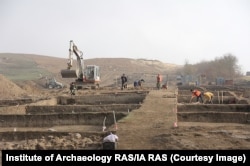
(18, 67)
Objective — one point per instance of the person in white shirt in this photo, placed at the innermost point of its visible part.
(110, 138)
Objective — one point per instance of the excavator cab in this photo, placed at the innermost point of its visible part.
(91, 74)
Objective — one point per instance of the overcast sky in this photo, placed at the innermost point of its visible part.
(172, 31)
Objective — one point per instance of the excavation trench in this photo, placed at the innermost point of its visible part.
(227, 107)
(86, 115)
(112, 98)
(62, 109)
(12, 102)
(49, 120)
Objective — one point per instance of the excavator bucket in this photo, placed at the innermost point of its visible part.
(68, 73)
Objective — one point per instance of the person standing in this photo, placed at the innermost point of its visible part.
(140, 83)
(124, 81)
(159, 80)
(72, 88)
(196, 93)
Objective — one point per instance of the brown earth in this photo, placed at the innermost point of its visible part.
(153, 127)
(10, 90)
(149, 127)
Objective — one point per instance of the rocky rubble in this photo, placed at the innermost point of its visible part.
(72, 141)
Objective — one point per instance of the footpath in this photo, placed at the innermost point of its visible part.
(144, 128)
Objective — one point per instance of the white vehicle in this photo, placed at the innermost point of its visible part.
(89, 75)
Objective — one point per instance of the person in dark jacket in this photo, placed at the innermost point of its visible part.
(124, 81)
(72, 88)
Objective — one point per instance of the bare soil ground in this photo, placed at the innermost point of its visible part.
(152, 126)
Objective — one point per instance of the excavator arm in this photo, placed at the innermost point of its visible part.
(79, 72)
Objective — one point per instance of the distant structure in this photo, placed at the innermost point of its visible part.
(248, 73)
(219, 81)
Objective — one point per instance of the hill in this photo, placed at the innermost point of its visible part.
(23, 67)
(10, 90)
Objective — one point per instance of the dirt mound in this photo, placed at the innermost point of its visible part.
(10, 90)
(31, 87)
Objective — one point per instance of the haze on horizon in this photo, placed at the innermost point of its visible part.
(172, 31)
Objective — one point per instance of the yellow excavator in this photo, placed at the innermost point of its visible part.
(85, 76)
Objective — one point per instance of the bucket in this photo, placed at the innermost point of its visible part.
(68, 73)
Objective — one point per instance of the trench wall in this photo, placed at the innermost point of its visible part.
(80, 108)
(214, 117)
(216, 100)
(213, 107)
(50, 120)
(133, 98)
(12, 102)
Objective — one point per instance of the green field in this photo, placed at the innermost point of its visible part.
(17, 68)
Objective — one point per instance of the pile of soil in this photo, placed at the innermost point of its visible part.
(9, 90)
(73, 141)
